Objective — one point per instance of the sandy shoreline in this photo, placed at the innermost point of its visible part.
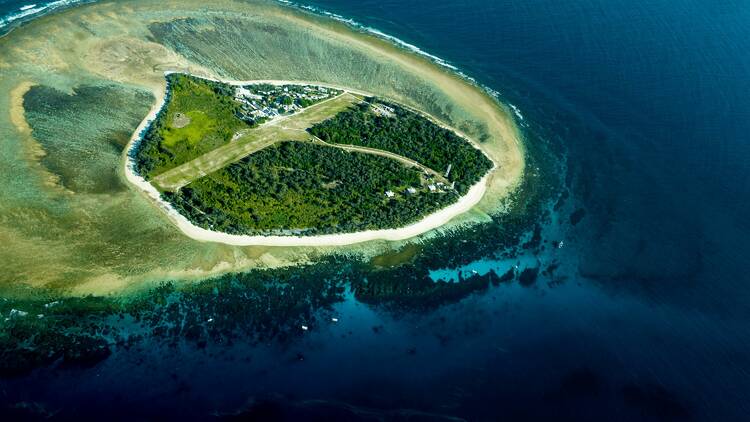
(429, 222)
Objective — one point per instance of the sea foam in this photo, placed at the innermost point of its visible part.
(35, 10)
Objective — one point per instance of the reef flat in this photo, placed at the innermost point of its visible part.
(68, 221)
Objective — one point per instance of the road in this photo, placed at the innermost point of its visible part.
(408, 161)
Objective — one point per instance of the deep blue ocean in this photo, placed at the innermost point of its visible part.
(651, 321)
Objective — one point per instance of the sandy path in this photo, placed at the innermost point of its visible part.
(372, 151)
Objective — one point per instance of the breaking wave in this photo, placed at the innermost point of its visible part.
(32, 11)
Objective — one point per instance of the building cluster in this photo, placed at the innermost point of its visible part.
(439, 187)
(432, 187)
(261, 102)
(383, 110)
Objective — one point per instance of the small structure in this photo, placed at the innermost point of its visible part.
(382, 110)
(389, 194)
(17, 313)
(432, 188)
(448, 172)
(411, 190)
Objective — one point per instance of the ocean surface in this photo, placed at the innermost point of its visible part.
(648, 314)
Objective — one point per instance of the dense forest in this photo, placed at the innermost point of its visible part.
(199, 116)
(389, 127)
(307, 189)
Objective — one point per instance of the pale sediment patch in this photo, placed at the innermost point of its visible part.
(101, 285)
(112, 283)
(31, 147)
(16, 107)
(180, 120)
(129, 59)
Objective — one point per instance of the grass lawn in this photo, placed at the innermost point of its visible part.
(196, 120)
(193, 128)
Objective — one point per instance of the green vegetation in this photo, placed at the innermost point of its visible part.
(250, 141)
(371, 165)
(199, 116)
(389, 127)
(261, 101)
(303, 188)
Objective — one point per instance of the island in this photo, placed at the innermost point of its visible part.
(276, 159)
(81, 87)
